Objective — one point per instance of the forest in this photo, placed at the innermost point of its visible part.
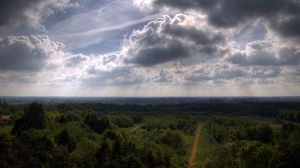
(212, 134)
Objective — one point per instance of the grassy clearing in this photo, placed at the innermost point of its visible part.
(188, 143)
(205, 147)
(194, 151)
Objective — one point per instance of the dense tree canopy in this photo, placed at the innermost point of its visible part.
(82, 138)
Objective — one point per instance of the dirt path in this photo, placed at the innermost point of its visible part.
(194, 149)
(139, 126)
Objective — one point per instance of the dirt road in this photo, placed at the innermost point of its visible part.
(194, 149)
(139, 126)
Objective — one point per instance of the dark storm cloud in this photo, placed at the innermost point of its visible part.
(288, 27)
(27, 12)
(13, 10)
(26, 53)
(230, 13)
(154, 55)
(261, 53)
(288, 21)
(167, 39)
(192, 34)
(187, 4)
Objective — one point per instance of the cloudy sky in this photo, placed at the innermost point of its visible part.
(150, 48)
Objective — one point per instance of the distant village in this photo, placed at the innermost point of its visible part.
(5, 118)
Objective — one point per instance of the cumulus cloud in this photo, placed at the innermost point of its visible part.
(263, 53)
(75, 60)
(41, 61)
(27, 53)
(212, 43)
(264, 72)
(221, 72)
(171, 38)
(119, 76)
(216, 71)
(29, 12)
(283, 15)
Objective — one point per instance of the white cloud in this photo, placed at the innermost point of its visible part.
(27, 53)
(172, 39)
(16, 13)
(264, 53)
(174, 54)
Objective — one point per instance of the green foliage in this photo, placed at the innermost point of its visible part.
(155, 124)
(5, 108)
(255, 147)
(156, 156)
(69, 117)
(173, 139)
(73, 140)
(286, 130)
(242, 154)
(188, 124)
(104, 154)
(137, 118)
(82, 156)
(34, 117)
(289, 115)
(224, 129)
(77, 138)
(7, 155)
(123, 121)
(185, 123)
(125, 152)
(264, 133)
(65, 139)
(287, 150)
(37, 149)
(96, 124)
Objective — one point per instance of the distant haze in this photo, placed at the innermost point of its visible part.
(143, 100)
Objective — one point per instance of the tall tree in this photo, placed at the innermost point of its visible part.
(65, 139)
(34, 117)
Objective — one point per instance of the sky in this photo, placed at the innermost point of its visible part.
(150, 48)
